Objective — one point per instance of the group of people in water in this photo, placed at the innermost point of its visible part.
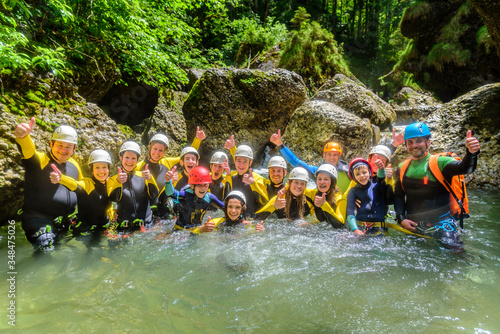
(355, 195)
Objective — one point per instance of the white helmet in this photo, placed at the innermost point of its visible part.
(99, 156)
(327, 168)
(159, 138)
(237, 194)
(244, 151)
(381, 150)
(189, 149)
(299, 173)
(218, 158)
(130, 146)
(277, 161)
(65, 133)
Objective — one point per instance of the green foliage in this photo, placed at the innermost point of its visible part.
(484, 39)
(301, 17)
(420, 8)
(248, 36)
(443, 53)
(313, 53)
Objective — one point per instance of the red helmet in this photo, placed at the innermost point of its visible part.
(199, 175)
(356, 163)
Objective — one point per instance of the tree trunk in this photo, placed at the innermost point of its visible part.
(489, 10)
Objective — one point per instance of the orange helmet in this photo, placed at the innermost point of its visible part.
(199, 175)
(332, 147)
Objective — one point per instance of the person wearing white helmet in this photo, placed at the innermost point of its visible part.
(277, 171)
(218, 165)
(47, 207)
(247, 181)
(384, 154)
(132, 191)
(93, 200)
(234, 216)
(328, 195)
(159, 164)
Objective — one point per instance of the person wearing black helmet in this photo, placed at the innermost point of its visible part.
(47, 207)
(422, 203)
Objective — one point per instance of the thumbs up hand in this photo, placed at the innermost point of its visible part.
(170, 174)
(248, 178)
(146, 174)
(55, 176)
(122, 177)
(208, 226)
(230, 143)
(24, 129)
(280, 202)
(276, 138)
(200, 134)
(471, 143)
(320, 200)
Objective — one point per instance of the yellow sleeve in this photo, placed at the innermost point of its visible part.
(216, 221)
(27, 146)
(140, 164)
(80, 174)
(112, 184)
(170, 162)
(269, 207)
(233, 151)
(260, 187)
(196, 143)
(69, 182)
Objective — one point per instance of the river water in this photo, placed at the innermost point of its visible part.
(288, 279)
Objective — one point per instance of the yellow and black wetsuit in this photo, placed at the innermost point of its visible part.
(46, 205)
(255, 193)
(133, 200)
(93, 205)
(325, 212)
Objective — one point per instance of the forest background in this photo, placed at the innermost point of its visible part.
(155, 41)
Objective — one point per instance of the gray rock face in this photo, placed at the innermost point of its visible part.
(411, 106)
(95, 130)
(356, 99)
(167, 118)
(250, 104)
(317, 122)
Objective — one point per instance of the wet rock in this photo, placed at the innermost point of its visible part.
(357, 99)
(317, 122)
(250, 104)
(411, 106)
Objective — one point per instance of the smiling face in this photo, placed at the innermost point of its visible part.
(362, 175)
(323, 182)
(418, 147)
(188, 162)
(234, 208)
(331, 157)
(129, 160)
(157, 152)
(297, 187)
(100, 170)
(200, 190)
(242, 164)
(62, 151)
(277, 174)
(217, 171)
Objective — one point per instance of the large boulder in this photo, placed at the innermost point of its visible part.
(250, 104)
(411, 106)
(355, 98)
(95, 130)
(316, 122)
(167, 118)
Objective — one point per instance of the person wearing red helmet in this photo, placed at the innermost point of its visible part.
(370, 193)
(194, 200)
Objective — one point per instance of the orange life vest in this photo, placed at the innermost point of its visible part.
(459, 203)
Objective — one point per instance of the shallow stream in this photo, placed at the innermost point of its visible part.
(288, 279)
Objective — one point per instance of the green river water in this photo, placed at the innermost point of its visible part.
(288, 279)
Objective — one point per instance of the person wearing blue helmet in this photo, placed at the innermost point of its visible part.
(421, 202)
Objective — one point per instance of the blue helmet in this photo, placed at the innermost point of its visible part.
(415, 130)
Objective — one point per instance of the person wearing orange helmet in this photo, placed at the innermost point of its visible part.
(194, 200)
(331, 155)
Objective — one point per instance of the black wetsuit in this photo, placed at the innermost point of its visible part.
(158, 171)
(133, 201)
(46, 205)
